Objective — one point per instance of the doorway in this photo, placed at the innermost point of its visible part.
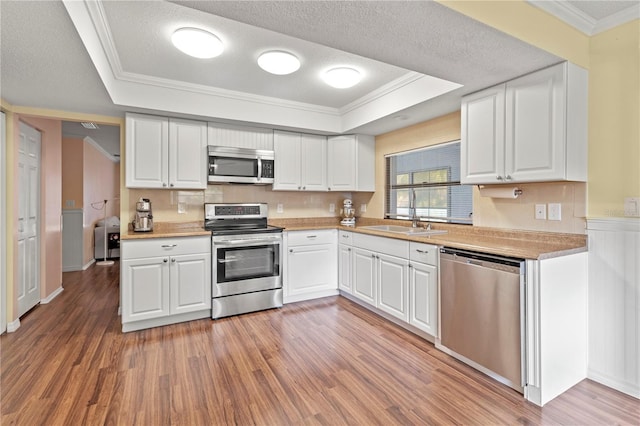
(28, 254)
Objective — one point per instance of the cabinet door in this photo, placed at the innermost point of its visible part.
(344, 268)
(482, 136)
(341, 163)
(145, 287)
(423, 296)
(314, 162)
(535, 126)
(146, 149)
(364, 275)
(311, 268)
(392, 286)
(187, 154)
(190, 283)
(287, 173)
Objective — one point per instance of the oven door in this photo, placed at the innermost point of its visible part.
(244, 264)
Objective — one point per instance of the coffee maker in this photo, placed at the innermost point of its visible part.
(143, 221)
(348, 214)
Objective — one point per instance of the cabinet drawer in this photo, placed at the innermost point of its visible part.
(153, 247)
(301, 238)
(390, 246)
(423, 253)
(345, 237)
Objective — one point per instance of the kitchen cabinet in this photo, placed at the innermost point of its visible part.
(345, 260)
(164, 281)
(351, 163)
(530, 129)
(221, 134)
(423, 287)
(301, 162)
(165, 152)
(310, 269)
(380, 274)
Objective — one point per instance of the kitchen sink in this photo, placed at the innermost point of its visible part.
(404, 230)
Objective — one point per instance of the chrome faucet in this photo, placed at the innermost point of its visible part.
(412, 208)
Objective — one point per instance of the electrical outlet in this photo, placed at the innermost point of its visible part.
(182, 207)
(555, 211)
(541, 211)
(332, 208)
(363, 208)
(279, 208)
(632, 206)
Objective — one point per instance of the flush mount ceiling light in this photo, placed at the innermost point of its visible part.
(89, 125)
(197, 43)
(342, 77)
(279, 62)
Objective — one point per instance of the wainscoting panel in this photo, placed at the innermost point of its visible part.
(614, 303)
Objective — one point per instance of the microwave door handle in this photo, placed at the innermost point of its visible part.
(259, 168)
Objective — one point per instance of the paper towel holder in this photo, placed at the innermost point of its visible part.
(516, 191)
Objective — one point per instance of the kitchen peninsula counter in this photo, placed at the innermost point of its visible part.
(512, 243)
(168, 230)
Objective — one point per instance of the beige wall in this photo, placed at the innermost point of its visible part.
(614, 120)
(72, 160)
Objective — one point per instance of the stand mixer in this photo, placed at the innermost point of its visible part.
(143, 220)
(348, 214)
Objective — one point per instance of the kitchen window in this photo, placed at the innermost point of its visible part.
(433, 174)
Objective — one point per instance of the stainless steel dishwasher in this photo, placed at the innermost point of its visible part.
(482, 312)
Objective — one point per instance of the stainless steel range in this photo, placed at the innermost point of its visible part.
(246, 259)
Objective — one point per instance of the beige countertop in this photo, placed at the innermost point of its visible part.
(514, 243)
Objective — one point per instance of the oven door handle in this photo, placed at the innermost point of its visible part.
(247, 242)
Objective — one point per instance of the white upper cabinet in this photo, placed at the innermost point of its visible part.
(351, 163)
(301, 162)
(165, 153)
(240, 136)
(531, 129)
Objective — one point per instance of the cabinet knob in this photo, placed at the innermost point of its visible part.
(164, 185)
(410, 266)
(290, 250)
(173, 261)
(507, 177)
(328, 189)
(304, 187)
(165, 260)
(299, 187)
(499, 177)
(171, 185)
(349, 249)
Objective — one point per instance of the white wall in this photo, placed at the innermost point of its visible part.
(614, 303)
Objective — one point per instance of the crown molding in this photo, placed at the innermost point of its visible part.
(100, 149)
(573, 16)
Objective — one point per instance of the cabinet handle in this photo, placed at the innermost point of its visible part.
(422, 251)
(312, 236)
(165, 260)
(507, 177)
(345, 236)
(164, 185)
(169, 245)
(499, 177)
(290, 250)
(173, 260)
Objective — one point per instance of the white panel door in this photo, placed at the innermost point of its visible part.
(147, 150)
(190, 279)
(364, 275)
(482, 136)
(535, 126)
(145, 284)
(287, 173)
(314, 162)
(344, 268)
(423, 294)
(309, 269)
(392, 286)
(28, 218)
(187, 154)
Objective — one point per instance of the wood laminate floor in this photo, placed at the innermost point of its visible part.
(325, 362)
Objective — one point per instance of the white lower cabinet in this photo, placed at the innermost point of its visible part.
(345, 254)
(164, 281)
(423, 287)
(392, 286)
(364, 275)
(311, 264)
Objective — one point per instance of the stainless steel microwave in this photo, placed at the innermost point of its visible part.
(240, 165)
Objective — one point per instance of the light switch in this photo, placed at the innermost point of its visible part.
(363, 208)
(182, 207)
(332, 208)
(555, 211)
(632, 206)
(279, 208)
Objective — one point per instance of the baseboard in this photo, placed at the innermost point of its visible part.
(91, 262)
(52, 296)
(623, 386)
(72, 268)
(13, 326)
